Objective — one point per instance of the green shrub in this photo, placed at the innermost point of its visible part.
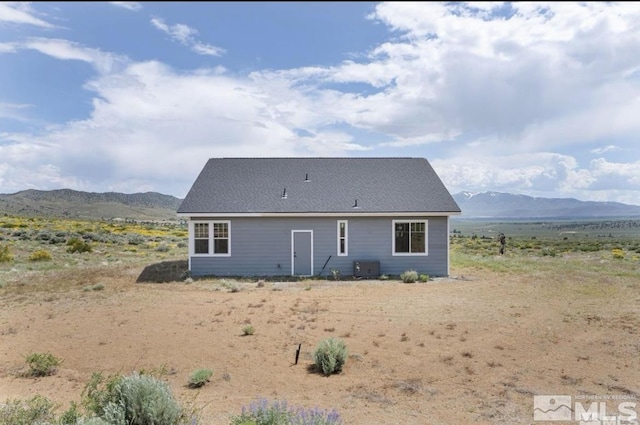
(71, 416)
(199, 377)
(36, 410)
(78, 245)
(383, 277)
(335, 273)
(5, 255)
(40, 255)
(43, 236)
(409, 276)
(261, 412)
(162, 248)
(546, 252)
(142, 400)
(136, 240)
(424, 278)
(99, 392)
(138, 399)
(330, 356)
(248, 330)
(90, 421)
(42, 364)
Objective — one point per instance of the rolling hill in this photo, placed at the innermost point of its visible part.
(507, 205)
(156, 206)
(89, 205)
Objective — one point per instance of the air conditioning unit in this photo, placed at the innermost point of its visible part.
(366, 268)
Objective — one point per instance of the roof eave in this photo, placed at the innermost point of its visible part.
(321, 214)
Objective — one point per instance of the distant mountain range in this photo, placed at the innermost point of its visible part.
(507, 205)
(89, 205)
(156, 206)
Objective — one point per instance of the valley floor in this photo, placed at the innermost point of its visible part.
(472, 348)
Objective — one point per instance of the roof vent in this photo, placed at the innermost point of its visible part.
(284, 193)
(306, 177)
(355, 205)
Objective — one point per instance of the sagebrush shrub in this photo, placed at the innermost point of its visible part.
(330, 356)
(424, 278)
(42, 364)
(142, 400)
(136, 240)
(409, 276)
(248, 330)
(91, 421)
(5, 254)
(96, 287)
(199, 377)
(36, 410)
(40, 255)
(43, 236)
(78, 245)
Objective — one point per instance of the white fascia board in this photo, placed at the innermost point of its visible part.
(328, 214)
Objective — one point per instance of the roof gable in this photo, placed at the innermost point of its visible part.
(317, 185)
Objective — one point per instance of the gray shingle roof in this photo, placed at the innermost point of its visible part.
(256, 185)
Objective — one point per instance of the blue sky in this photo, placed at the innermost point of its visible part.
(540, 99)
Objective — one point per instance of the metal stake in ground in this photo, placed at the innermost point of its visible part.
(298, 353)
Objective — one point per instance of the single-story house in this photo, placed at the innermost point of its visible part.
(360, 217)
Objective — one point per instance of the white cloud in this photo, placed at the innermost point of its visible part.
(7, 48)
(622, 175)
(604, 149)
(21, 13)
(103, 62)
(179, 32)
(327, 143)
(207, 49)
(153, 128)
(522, 71)
(13, 111)
(185, 35)
(419, 140)
(532, 173)
(129, 5)
(528, 80)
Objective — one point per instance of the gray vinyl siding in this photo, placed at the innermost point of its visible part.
(261, 246)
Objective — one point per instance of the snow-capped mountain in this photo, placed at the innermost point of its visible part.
(508, 205)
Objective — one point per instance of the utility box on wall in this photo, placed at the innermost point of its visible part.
(366, 268)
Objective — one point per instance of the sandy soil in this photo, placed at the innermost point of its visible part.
(473, 348)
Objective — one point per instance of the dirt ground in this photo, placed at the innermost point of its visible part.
(472, 348)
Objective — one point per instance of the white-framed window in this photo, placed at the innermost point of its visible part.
(211, 238)
(221, 237)
(201, 238)
(410, 237)
(343, 237)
